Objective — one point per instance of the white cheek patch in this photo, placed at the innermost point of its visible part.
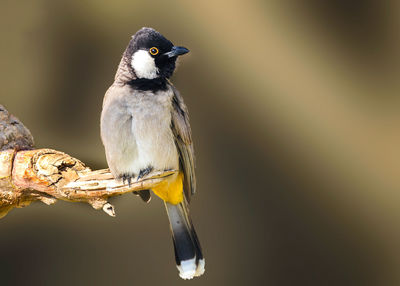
(144, 65)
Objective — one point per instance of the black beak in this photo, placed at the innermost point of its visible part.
(176, 51)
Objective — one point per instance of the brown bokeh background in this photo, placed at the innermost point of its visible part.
(295, 113)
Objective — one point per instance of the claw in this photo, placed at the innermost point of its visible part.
(128, 178)
(144, 172)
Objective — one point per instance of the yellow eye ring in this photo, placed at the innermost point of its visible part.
(153, 51)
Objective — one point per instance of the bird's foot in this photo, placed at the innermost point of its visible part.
(144, 172)
(128, 178)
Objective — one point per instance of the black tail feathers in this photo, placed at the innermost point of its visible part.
(188, 255)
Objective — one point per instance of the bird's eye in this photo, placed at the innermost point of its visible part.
(153, 51)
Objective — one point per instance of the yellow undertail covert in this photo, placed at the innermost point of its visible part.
(171, 190)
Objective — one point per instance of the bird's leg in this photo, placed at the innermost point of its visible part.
(144, 172)
(128, 178)
(144, 194)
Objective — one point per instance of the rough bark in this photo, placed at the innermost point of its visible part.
(48, 175)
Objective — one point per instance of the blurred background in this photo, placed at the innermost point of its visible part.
(295, 112)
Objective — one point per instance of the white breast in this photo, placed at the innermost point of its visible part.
(151, 126)
(140, 136)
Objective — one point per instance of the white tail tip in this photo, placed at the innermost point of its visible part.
(200, 268)
(188, 268)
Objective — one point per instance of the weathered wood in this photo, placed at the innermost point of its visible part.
(48, 175)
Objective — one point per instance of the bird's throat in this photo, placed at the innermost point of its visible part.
(145, 84)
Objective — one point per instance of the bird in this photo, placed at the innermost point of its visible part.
(144, 127)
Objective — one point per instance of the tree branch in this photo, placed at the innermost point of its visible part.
(48, 175)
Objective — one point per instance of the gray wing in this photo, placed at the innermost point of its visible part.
(183, 140)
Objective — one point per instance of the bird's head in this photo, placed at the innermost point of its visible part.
(150, 55)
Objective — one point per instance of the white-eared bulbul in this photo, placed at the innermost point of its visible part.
(145, 127)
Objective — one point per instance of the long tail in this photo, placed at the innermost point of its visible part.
(189, 258)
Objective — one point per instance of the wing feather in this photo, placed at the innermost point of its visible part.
(183, 140)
